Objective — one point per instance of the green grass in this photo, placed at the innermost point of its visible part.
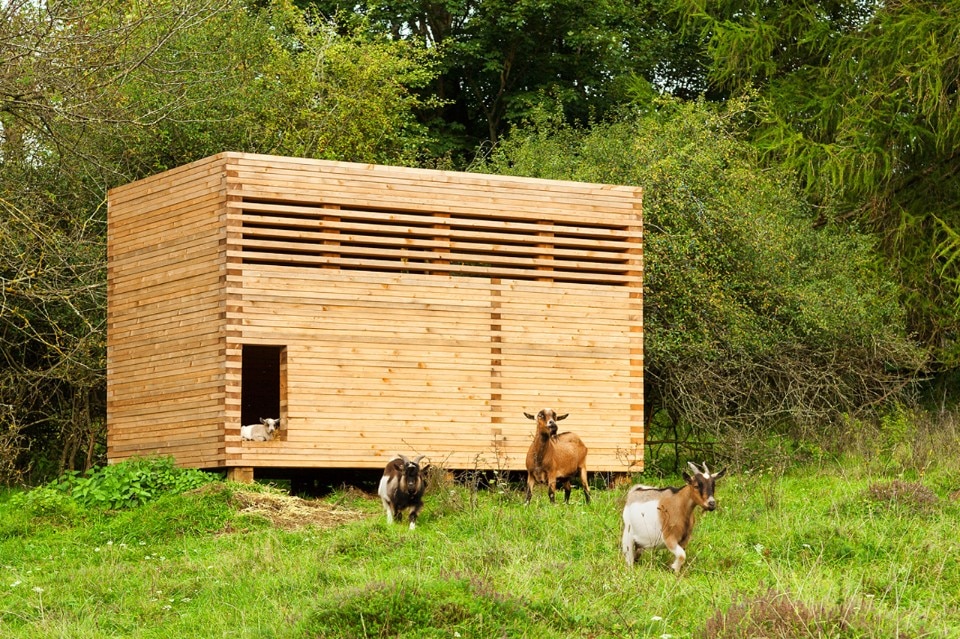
(819, 552)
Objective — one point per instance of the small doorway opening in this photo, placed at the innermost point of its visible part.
(262, 383)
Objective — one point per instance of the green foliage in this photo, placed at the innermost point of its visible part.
(122, 90)
(271, 80)
(860, 99)
(831, 548)
(465, 605)
(499, 59)
(125, 485)
(754, 317)
(42, 505)
(180, 512)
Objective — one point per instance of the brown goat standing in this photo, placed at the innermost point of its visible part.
(654, 517)
(554, 457)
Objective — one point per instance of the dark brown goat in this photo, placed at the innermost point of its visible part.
(552, 457)
(401, 487)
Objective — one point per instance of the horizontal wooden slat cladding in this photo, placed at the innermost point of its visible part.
(407, 359)
(309, 181)
(412, 311)
(157, 190)
(165, 320)
(176, 429)
(326, 224)
(405, 265)
(495, 245)
(374, 456)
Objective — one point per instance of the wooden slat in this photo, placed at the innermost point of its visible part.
(258, 214)
(379, 186)
(165, 381)
(318, 257)
(605, 278)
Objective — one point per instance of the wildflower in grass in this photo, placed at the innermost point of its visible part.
(15, 584)
(38, 590)
(656, 618)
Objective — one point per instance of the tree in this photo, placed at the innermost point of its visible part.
(96, 94)
(59, 64)
(501, 58)
(754, 321)
(861, 100)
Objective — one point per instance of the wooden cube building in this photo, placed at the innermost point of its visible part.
(375, 310)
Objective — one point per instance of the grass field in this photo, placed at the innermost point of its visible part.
(825, 550)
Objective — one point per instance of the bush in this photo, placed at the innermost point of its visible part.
(758, 320)
(124, 485)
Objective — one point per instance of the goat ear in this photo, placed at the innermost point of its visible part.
(564, 416)
(529, 416)
(687, 478)
(720, 474)
(263, 421)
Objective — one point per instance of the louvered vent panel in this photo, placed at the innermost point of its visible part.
(279, 233)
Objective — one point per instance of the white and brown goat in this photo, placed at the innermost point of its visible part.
(654, 517)
(555, 457)
(402, 487)
(262, 432)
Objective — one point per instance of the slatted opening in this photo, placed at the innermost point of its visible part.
(328, 236)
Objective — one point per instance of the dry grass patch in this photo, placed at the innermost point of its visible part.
(287, 512)
(776, 615)
(909, 494)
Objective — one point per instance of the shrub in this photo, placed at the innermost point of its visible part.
(124, 485)
(758, 320)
